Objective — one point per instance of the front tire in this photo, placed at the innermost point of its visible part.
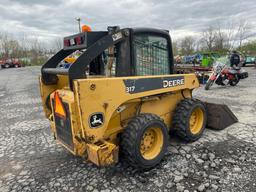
(189, 119)
(208, 84)
(144, 141)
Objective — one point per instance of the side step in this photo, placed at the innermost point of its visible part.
(219, 116)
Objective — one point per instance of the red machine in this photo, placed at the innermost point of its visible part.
(8, 63)
(223, 75)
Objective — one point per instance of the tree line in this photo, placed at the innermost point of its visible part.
(219, 38)
(29, 50)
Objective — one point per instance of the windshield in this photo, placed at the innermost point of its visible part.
(223, 59)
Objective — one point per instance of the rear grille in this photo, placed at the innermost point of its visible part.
(63, 128)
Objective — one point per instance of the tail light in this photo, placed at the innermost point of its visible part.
(66, 43)
(79, 40)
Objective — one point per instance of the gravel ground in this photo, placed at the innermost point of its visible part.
(30, 160)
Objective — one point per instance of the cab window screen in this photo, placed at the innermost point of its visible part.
(151, 55)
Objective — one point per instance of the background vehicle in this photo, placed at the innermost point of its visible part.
(249, 60)
(223, 74)
(120, 97)
(8, 63)
(188, 59)
(193, 59)
(178, 59)
(209, 58)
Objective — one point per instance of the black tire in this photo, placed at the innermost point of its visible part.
(234, 81)
(208, 84)
(132, 136)
(181, 119)
(6, 65)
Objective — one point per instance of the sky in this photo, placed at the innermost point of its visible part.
(49, 19)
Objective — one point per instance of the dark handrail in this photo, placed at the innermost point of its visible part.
(55, 71)
(78, 68)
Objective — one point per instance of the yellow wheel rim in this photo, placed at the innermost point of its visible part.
(151, 143)
(196, 120)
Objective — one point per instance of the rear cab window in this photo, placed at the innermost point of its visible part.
(152, 55)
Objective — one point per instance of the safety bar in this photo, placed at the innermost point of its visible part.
(55, 71)
(77, 69)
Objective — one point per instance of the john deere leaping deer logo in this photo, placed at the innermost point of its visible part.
(96, 120)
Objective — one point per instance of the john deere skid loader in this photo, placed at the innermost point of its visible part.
(121, 97)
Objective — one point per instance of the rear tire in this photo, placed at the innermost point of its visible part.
(144, 141)
(234, 81)
(189, 119)
(6, 65)
(208, 84)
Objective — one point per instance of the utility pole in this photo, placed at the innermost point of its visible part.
(78, 19)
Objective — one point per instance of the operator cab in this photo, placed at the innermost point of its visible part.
(146, 52)
(114, 53)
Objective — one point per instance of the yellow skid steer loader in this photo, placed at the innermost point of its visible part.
(121, 97)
